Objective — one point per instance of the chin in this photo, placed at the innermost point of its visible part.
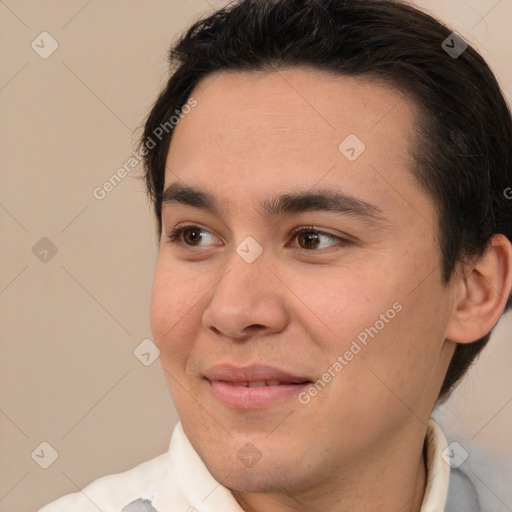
(250, 470)
(261, 480)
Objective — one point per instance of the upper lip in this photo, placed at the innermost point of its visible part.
(252, 373)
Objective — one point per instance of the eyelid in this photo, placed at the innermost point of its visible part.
(174, 237)
(344, 240)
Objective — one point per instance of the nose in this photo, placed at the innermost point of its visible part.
(248, 300)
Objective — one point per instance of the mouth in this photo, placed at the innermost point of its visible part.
(253, 387)
(261, 383)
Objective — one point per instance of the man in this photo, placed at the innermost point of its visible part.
(334, 252)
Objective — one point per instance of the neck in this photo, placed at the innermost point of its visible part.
(393, 479)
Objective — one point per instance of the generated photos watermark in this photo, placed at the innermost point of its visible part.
(158, 133)
(355, 348)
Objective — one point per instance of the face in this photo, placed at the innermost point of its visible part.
(299, 312)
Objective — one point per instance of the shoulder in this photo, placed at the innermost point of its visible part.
(462, 494)
(480, 483)
(113, 492)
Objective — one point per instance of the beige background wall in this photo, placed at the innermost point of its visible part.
(70, 324)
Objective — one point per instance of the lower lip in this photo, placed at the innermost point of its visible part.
(242, 397)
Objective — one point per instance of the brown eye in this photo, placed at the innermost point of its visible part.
(191, 235)
(188, 236)
(310, 238)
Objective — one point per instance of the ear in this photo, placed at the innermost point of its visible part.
(482, 293)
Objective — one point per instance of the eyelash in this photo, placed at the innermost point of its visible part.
(175, 237)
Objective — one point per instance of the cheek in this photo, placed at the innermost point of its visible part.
(403, 356)
(334, 307)
(175, 312)
(380, 309)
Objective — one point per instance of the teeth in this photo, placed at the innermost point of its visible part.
(272, 382)
(256, 384)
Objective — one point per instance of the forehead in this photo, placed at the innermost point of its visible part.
(298, 100)
(256, 133)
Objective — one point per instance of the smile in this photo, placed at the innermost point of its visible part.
(253, 387)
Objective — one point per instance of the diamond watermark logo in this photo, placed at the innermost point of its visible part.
(454, 45)
(454, 455)
(44, 455)
(44, 45)
(352, 147)
(249, 455)
(249, 249)
(44, 250)
(146, 352)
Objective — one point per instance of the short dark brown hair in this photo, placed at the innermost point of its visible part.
(463, 148)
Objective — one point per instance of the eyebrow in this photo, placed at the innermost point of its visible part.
(283, 204)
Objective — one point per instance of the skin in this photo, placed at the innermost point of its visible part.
(357, 445)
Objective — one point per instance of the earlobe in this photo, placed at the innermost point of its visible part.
(484, 292)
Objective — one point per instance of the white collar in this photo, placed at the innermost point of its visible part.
(207, 495)
(438, 471)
